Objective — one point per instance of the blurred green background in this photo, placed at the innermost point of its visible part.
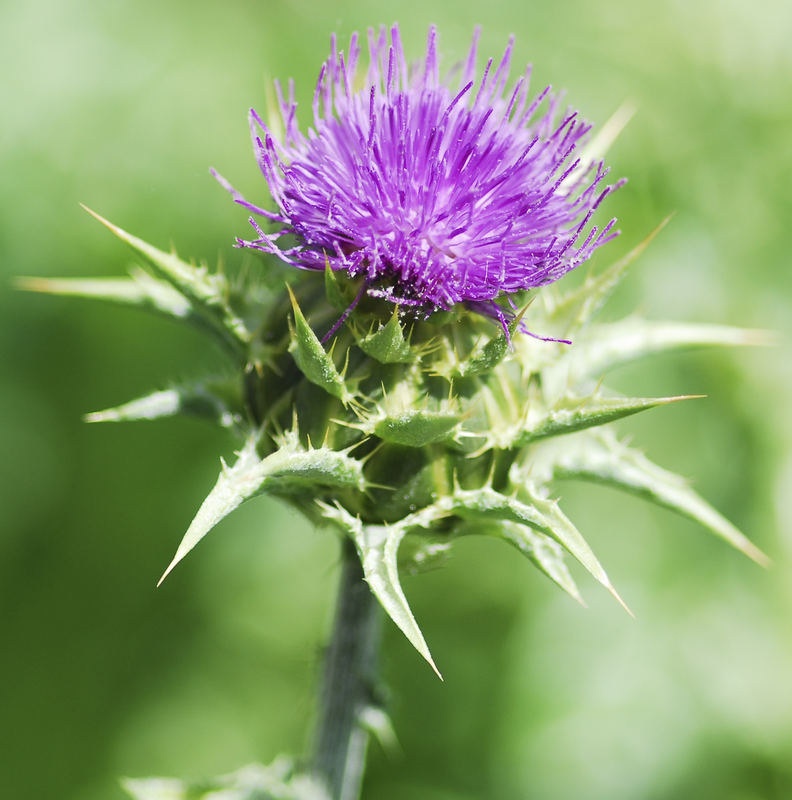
(124, 106)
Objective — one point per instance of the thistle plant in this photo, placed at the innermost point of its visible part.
(414, 374)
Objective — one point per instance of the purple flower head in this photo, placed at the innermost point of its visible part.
(434, 191)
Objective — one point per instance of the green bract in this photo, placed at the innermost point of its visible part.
(406, 434)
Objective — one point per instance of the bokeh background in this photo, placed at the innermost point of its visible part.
(124, 106)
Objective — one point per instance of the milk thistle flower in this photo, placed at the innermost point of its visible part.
(416, 427)
(433, 191)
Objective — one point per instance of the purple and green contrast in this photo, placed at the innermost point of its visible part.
(399, 360)
(412, 195)
(433, 187)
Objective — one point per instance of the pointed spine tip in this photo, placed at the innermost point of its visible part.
(167, 572)
(667, 401)
(621, 602)
(99, 217)
(678, 397)
(25, 284)
(757, 556)
(758, 337)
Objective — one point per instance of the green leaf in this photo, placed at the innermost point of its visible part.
(195, 401)
(294, 468)
(333, 291)
(545, 553)
(139, 290)
(414, 428)
(484, 358)
(600, 457)
(378, 547)
(388, 345)
(205, 292)
(532, 510)
(487, 358)
(153, 406)
(573, 414)
(288, 470)
(606, 346)
(312, 359)
(424, 552)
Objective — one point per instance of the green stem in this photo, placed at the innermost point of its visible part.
(349, 682)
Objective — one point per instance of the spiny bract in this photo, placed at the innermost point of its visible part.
(406, 434)
(423, 420)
